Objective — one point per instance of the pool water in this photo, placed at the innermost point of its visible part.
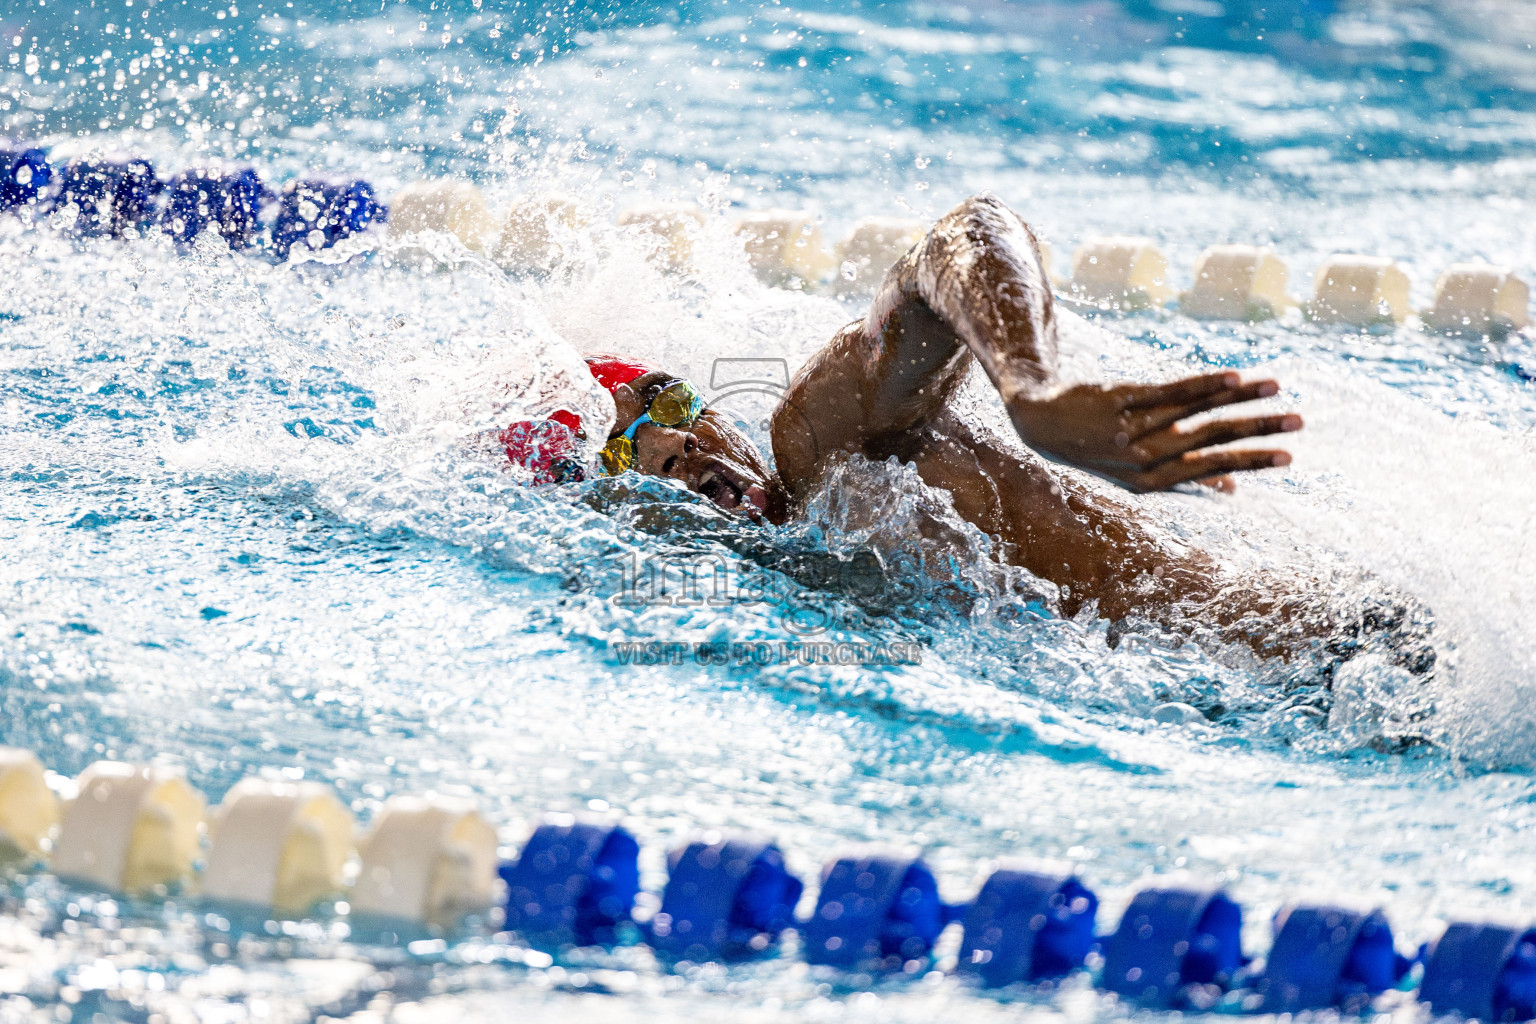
(246, 529)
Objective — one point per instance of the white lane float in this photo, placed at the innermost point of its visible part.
(785, 247)
(130, 828)
(427, 860)
(542, 231)
(29, 811)
(279, 846)
(673, 232)
(1047, 260)
(1360, 290)
(1237, 282)
(1122, 271)
(443, 205)
(872, 246)
(1479, 297)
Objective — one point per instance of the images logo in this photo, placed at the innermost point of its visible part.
(755, 390)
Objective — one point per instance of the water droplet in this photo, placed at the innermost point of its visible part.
(850, 270)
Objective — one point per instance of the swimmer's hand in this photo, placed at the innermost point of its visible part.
(1132, 433)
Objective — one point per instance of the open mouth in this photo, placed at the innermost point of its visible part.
(728, 488)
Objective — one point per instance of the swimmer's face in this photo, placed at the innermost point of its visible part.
(711, 458)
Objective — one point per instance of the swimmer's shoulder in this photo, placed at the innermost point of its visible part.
(822, 413)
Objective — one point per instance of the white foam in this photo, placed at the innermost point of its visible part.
(1382, 481)
(1440, 507)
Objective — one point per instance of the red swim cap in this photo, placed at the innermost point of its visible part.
(568, 418)
(548, 449)
(611, 370)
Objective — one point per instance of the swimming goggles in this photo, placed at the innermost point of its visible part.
(676, 405)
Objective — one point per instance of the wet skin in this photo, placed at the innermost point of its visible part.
(973, 290)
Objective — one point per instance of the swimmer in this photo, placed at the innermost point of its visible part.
(973, 290)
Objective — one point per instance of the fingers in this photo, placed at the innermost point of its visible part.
(1156, 418)
(1181, 392)
(1174, 442)
(1223, 484)
(1199, 465)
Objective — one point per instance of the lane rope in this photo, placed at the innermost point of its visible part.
(114, 196)
(731, 898)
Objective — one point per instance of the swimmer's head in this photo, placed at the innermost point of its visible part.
(703, 449)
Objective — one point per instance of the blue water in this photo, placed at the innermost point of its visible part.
(243, 531)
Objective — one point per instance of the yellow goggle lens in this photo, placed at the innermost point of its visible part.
(618, 455)
(677, 405)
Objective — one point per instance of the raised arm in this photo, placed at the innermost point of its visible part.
(974, 288)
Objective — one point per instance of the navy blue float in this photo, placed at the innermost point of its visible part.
(1173, 943)
(1328, 956)
(112, 196)
(725, 900)
(1482, 971)
(1027, 926)
(25, 175)
(573, 883)
(875, 912)
(318, 214)
(228, 202)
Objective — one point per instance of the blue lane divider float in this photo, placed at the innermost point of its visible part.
(879, 911)
(574, 883)
(25, 174)
(1175, 947)
(730, 898)
(1027, 926)
(1328, 956)
(318, 214)
(1482, 971)
(111, 196)
(228, 202)
(725, 899)
(114, 195)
